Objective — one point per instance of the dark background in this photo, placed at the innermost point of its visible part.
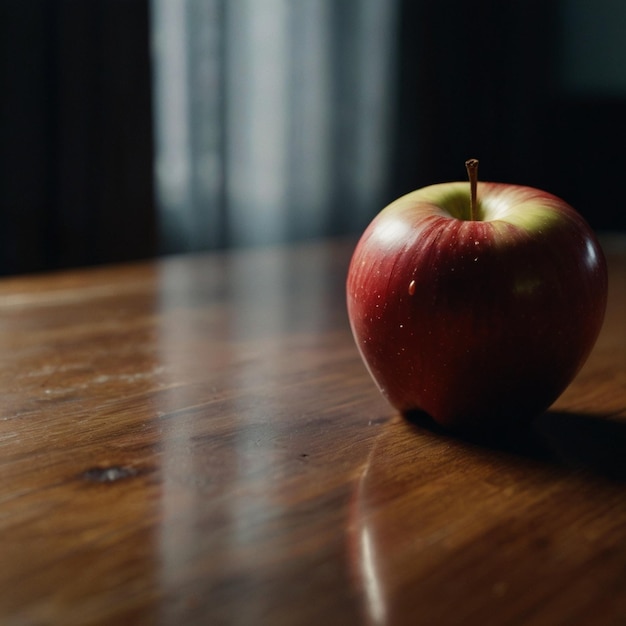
(473, 79)
(75, 133)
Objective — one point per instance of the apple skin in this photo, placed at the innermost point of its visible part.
(478, 324)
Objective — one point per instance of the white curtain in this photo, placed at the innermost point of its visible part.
(272, 118)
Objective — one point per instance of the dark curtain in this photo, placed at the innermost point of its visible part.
(486, 79)
(75, 133)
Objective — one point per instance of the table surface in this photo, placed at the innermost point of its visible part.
(196, 441)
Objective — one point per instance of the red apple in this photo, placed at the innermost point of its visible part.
(476, 303)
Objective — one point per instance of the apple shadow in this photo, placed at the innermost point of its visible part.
(594, 443)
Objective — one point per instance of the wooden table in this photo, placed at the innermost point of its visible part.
(196, 441)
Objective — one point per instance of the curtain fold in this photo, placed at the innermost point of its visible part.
(272, 118)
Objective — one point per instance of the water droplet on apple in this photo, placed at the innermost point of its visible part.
(412, 288)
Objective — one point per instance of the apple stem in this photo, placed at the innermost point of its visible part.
(472, 171)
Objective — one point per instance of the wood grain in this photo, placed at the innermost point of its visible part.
(195, 440)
